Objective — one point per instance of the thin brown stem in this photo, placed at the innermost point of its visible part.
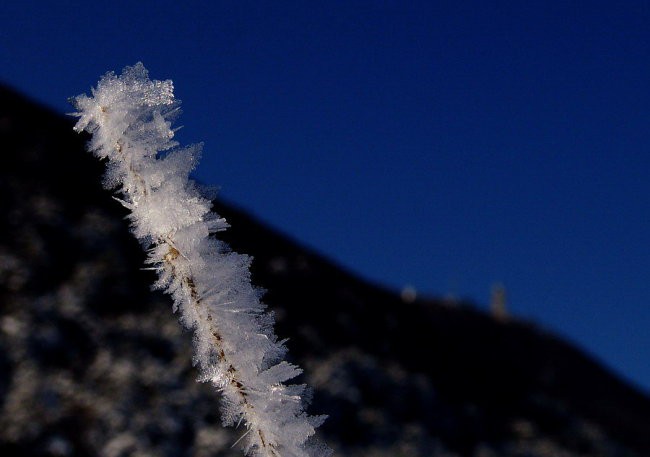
(232, 372)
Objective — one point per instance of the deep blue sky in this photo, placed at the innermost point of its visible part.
(443, 145)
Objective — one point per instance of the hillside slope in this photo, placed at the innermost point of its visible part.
(94, 364)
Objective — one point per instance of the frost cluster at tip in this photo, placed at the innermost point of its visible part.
(130, 119)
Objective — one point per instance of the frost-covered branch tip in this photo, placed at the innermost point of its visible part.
(129, 117)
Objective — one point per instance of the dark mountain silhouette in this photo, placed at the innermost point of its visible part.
(92, 363)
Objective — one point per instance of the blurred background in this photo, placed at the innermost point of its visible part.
(439, 148)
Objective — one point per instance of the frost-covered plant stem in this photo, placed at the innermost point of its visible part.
(129, 117)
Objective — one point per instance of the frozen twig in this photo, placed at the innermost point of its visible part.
(130, 117)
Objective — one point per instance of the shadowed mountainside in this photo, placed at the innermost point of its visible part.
(94, 363)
